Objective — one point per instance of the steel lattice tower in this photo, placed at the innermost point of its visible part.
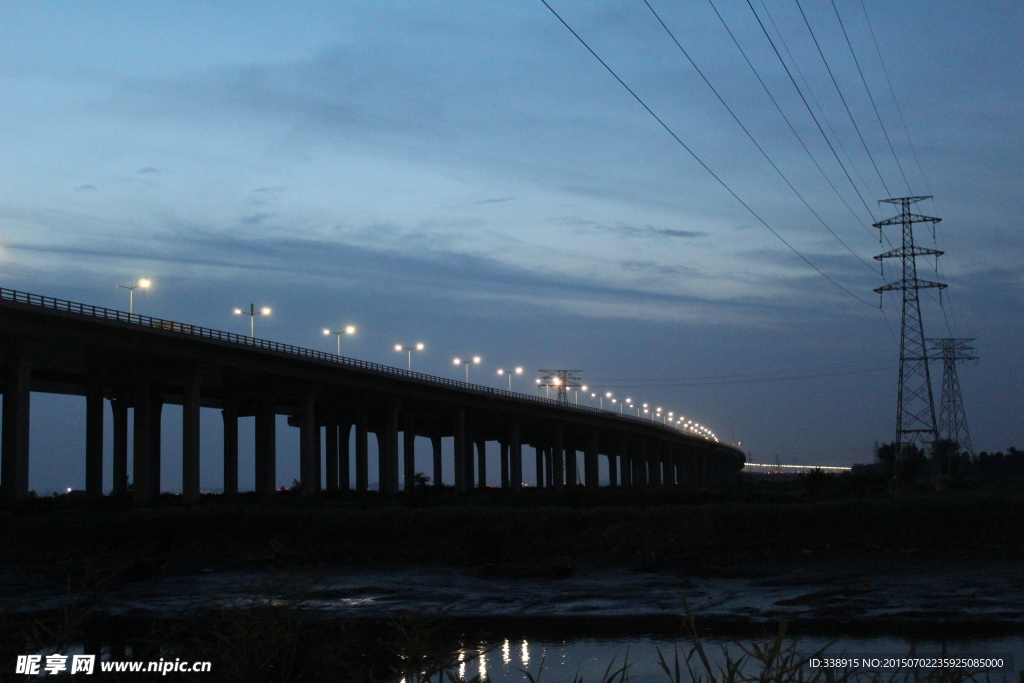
(952, 417)
(915, 406)
(562, 380)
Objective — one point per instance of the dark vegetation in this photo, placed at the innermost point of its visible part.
(817, 511)
(109, 542)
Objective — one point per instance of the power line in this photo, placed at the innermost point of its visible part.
(785, 117)
(701, 382)
(750, 135)
(809, 110)
(896, 101)
(697, 158)
(870, 97)
(843, 99)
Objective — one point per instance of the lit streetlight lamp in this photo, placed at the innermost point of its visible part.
(409, 349)
(509, 373)
(142, 284)
(475, 360)
(349, 329)
(252, 313)
(577, 392)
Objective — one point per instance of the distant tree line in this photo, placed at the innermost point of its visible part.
(945, 459)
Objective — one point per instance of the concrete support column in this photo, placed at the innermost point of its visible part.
(654, 463)
(541, 466)
(515, 456)
(94, 440)
(307, 444)
(625, 463)
(190, 437)
(318, 455)
(409, 452)
(266, 446)
(388, 447)
(155, 448)
(668, 471)
(590, 466)
(119, 420)
(639, 458)
(459, 428)
(702, 471)
(549, 467)
(572, 473)
(503, 444)
(362, 452)
(142, 443)
(14, 440)
(230, 416)
(435, 446)
(613, 471)
(481, 462)
(331, 455)
(344, 467)
(558, 457)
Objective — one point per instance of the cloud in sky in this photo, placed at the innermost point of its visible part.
(465, 162)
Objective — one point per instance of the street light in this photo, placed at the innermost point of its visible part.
(252, 313)
(577, 392)
(417, 347)
(517, 371)
(142, 284)
(474, 361)
(607, 394)
(349, 329)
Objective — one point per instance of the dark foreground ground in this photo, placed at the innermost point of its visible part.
(363, 576)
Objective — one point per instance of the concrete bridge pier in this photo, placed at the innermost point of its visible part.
(190, 402)
(362, 451)
(668, 471)
(558, 459)
(515, 455)
(331, 452)
(119, 425)
(541, 465)
(572, 476)
(503, 463)
(142, 442)
(481, 462)
(266, 446)
(591, 469)
(15, 437)
(388, 448)
(435, 446)
(625, 463)
(344, 473)
(459, 430)
(640, 463)
(409, 452)
(94, 439)
(307, 444)
(229, 414)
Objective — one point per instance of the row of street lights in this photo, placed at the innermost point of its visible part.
(654, 413)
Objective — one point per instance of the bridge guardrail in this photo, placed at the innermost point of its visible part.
(234, 338)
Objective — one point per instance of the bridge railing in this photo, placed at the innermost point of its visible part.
(234, 338)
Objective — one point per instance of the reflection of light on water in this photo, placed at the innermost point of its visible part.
(506, 652)
(483, 664)
(462, 664)
(524, 653)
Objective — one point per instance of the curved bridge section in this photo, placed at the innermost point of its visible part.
(140, 363)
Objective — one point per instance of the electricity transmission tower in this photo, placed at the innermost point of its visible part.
(952, 417)
(562, 380)
(915, 406)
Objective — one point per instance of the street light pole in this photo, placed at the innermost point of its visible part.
(349, 329)
(252, 313)
(474, 361)
(143, 283)
(517, 371)
(416, 347)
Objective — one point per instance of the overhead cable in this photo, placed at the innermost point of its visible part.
(698, 159)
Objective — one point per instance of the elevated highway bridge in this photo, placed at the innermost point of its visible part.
(139, 363)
